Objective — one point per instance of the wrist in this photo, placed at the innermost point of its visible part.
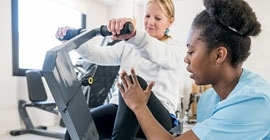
(139, 108)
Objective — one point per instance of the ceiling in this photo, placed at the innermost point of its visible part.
(115, 2)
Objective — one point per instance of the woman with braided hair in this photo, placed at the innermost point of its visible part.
(237, 107)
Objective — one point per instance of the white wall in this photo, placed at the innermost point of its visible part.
(258, 61)
(14, 88)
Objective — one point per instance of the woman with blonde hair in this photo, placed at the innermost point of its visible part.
(154, 55)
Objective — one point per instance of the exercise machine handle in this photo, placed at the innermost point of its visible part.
(127, 29)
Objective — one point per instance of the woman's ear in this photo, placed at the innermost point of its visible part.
(221, 54)
(171, 21)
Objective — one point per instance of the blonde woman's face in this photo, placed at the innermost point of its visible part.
(156, 21)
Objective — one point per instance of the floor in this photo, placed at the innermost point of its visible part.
(26, 137)
(55, 129)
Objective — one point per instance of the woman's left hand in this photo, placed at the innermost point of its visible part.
(116, 25)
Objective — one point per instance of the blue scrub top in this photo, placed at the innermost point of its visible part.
(243, 115)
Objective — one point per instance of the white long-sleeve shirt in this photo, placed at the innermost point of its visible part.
(153, 60)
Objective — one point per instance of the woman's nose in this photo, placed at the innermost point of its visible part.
(186, 60)
(151, 21)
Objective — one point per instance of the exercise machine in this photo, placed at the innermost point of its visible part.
(97, 81)
(66, 89)
(65, 86)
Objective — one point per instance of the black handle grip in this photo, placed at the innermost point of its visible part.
(127, 29)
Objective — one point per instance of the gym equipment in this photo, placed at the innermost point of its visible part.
(66, 89)
(97, 81)
(38, 97)
(95, 90)
(98, 85)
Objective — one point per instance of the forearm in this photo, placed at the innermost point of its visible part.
(99, 55)
(150, 126)
(153, 130)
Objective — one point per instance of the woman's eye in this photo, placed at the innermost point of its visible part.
(157, 18)
(189, 52)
